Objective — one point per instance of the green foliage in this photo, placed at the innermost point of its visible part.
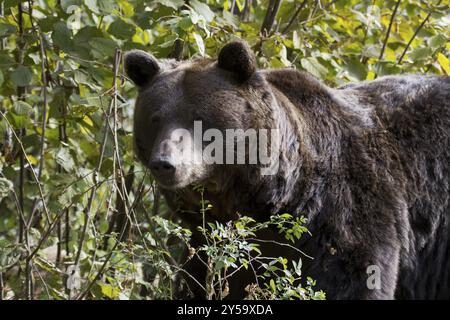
(80, 218)
(236, 246)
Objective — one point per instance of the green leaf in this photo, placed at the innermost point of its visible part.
(5, 187)
(62, 36)
(22, 76)
(121, 29)
(200, 44)
(9, 254)
(106, 6)
(7, 29)
(6, 60)
(2, 78)
(420, 54)
(356, 69)
(438, 41)
(64, 159)
(22, 108)
(185, 23)
(103, 47)
(272, 285)
(175, 4)
(92, 5)
(313, 66)
(19, 122)
(68, 5)
(386, 68)
(203, 10)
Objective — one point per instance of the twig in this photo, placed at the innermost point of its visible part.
(41, 192)
(102, 268)
(389, 29)
(44, 105)
(99, 164)
(281, 244)
(53, 223)
(294, 16)
(1, 286)
(121, 203)
(271, 14)
(415, 34)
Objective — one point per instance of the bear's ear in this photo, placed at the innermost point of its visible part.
(237, 57)
(140, 66)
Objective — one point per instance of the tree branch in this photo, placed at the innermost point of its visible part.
(271, 14)
(389, 29)
(294, 16)
(415, 34)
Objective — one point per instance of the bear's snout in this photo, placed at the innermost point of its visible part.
(163, 162)
(162, 168)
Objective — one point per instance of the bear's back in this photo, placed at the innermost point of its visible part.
(415, 112)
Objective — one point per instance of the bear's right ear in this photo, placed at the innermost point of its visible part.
(140, 66)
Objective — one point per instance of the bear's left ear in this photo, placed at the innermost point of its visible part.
(237, 57)
(140, 66)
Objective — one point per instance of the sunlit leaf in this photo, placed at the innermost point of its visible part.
(202, 9)
(200, 43)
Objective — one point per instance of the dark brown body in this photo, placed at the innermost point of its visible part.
(368, 164)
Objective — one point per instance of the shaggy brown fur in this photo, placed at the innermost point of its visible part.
(368, 164)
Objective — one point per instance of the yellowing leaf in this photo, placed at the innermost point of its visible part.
(444, 62)
(110, 291)
(32, 159)
(88, 121)
(389, 54)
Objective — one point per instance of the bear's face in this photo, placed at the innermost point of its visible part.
(179, 100)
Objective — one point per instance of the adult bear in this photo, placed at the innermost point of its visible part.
(367, 164)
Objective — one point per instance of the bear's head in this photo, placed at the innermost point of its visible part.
(180, 102)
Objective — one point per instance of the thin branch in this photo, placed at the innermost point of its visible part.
(281, 244)
(271, 14)
(44, 105)
(41, 192)
(121, 203)
(99, 164)
(294, 16)
(415, 34)
(389, 29)
(58, 217)
(102, 268)
(1, 286)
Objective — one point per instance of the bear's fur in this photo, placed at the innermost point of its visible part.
(367, 164)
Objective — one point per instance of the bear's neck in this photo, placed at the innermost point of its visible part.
(312, 127)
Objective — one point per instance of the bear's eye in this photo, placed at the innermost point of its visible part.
(141, 151)
(155, 119)
(139, 143)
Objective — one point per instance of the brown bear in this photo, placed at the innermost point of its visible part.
(368, 164)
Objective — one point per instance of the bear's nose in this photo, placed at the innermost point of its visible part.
(162, 166)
